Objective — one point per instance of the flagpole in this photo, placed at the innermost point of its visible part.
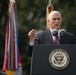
(12, 49)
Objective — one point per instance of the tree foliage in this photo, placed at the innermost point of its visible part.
(32, 14)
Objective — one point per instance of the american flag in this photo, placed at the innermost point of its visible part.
(49, 8)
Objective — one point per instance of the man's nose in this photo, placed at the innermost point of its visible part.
(56, 20)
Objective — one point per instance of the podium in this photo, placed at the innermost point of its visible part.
(40, 60)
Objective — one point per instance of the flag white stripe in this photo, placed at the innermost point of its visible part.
(9, 39)
(16, 42)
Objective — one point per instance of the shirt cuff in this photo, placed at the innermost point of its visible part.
(31, 43)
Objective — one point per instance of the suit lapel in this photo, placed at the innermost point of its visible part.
(49, 38)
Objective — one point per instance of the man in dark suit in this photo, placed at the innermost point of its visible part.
(47, 37)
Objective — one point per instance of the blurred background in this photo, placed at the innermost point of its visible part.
(32, 14)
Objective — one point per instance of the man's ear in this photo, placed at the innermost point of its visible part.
(61, 21)
(48, 21)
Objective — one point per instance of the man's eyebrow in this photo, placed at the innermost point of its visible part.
(56, 18)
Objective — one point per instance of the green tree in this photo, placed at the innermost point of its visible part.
(32, 14)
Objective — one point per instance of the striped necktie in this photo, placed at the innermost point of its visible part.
(56, 40)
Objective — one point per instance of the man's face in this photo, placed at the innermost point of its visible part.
(55, 21)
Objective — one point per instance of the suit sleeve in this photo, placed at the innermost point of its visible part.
(29, 50)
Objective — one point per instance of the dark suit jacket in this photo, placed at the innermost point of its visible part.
(45, 37)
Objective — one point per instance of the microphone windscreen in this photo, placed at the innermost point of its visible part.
(62, 32)
(55, 32)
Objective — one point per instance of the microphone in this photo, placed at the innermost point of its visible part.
(55, 32)
(62, 32)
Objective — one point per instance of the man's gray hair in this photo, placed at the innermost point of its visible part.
(53, 12)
